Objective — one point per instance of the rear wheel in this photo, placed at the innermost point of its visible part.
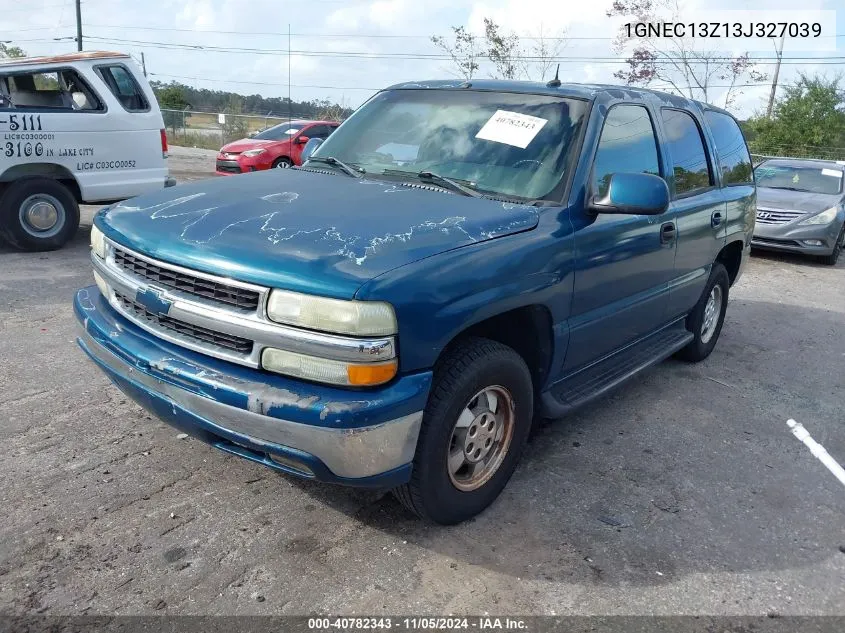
(831, 259)
(706, 319)
(282, 163)
(474, 430)
(38, 214)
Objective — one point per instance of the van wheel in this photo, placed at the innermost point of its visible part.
(706, 319)
(38, 214)
(474, 429)
(282, 163)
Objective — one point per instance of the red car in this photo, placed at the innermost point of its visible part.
(279, 146)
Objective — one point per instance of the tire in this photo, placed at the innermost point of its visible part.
(27, 208)
(705, 324)
(473, 371)
(282, 163)
(831, 259)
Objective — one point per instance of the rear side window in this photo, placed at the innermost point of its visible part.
(730, 146)
(686, 147)
(124, 87)
(318, 131)
(54, 90)
(627, 144)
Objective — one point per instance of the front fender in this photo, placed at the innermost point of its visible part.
(439, 297)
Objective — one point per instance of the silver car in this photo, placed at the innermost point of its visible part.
(801, 207)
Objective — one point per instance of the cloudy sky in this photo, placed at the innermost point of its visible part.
(334, 41)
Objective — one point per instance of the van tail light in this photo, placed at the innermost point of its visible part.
(164, 143)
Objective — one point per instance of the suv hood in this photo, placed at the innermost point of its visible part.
(795, 200)
(310, 232)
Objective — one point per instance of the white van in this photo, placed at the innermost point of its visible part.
(83, 127)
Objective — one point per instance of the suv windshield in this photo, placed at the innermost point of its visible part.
(805, 178)
(518, 145)
(280, 132)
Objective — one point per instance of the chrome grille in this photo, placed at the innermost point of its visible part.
(777, 216)
(189, 330)
(215, 291)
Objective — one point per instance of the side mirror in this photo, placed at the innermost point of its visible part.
(301, 140)
(633, 194)
(309, 148)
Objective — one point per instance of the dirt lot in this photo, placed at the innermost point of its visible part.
(683, 493)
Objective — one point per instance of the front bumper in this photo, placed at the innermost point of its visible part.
(228, 167)
(791, 237)
(358, 438)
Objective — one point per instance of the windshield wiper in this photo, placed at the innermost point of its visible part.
(355, 172)
(787, 188)
(454, 185)
(437, 179)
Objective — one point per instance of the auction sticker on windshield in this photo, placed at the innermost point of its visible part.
(832, 172)
(511, 128)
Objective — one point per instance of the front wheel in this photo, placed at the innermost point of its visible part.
(706, 319)
(38, 214)
(282, 163)
(475, 427)
(831, 259)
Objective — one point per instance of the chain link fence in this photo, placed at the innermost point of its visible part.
(212, 130)
(759, 154)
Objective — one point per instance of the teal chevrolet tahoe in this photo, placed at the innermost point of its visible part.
(453, 262)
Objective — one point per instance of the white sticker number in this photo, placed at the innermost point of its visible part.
(511, 128)
(832, 172)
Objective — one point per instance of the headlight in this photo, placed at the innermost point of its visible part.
(825, 217)
(335, 372)
(358, 318)
(98, 242)
(253, 152)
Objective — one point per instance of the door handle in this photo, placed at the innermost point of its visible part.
(667, 232)
(716, 219)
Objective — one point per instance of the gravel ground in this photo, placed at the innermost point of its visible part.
(682, 493)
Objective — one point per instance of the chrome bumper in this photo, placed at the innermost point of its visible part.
(350, 453)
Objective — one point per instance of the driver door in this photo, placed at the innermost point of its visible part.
(623, 263)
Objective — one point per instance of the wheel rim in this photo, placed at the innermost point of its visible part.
(480, 438)
(41, 215)
(711, 314)
(283, 164)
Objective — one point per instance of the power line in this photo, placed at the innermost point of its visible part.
(436, 56)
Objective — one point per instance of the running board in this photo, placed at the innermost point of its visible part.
(594, 380)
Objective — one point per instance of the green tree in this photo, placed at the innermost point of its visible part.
(12, 52)
(464, 51)
(172, 101)
(236, 126)
(808, 120)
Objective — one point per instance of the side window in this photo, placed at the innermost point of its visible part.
(318, 131)
(124, 87)
(730, 146)
(686, 148)
(55, 90)
(627, 144)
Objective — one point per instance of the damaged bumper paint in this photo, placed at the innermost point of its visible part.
(359, 438)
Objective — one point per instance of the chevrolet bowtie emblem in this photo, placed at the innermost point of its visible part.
(153, 301)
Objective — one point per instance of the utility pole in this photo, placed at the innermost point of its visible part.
(290, 103)
(143, 63)
(79, 25)
(775, 80)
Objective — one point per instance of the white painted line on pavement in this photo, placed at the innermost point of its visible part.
(817, 449)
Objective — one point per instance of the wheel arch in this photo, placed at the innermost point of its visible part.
(52, 171)
(527, 330)
(731, 258)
